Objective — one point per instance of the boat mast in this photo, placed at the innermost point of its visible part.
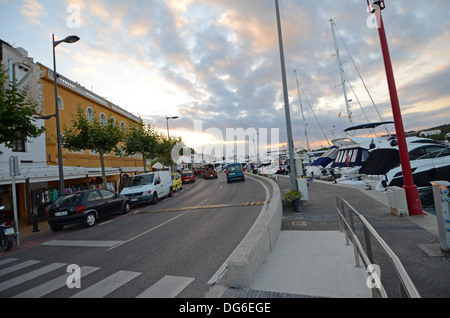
(341, 71)
(303, 115)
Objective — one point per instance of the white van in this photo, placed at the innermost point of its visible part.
(148, 187)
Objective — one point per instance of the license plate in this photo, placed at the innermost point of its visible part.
(9, 231)
(61, 213)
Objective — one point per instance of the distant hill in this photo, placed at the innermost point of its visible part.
(445, 129)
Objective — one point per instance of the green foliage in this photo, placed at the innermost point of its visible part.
(141, 139)
(17, 115)
(92, 135)
(291, 195)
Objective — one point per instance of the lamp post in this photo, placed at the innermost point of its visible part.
(293, 174)
(168, 135)
(411, 191)
(69, 39)
(167, 124)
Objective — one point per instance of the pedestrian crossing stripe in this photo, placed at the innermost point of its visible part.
(167, 287)
(210, 206)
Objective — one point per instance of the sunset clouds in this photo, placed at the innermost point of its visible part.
(218, 60)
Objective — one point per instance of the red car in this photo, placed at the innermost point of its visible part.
(187, 176)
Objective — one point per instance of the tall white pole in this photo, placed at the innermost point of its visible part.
(303, 115)
(286, 105)
(341, 71)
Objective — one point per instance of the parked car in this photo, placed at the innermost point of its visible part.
(85, 207)
(235, 171)
(187, 176)
(148, 187)
(176, 181)
(210, 173)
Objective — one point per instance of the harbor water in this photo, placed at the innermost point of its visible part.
(426, 198)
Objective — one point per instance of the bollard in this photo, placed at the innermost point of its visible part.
(35, 223)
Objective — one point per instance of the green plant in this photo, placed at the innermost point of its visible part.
(291, 195)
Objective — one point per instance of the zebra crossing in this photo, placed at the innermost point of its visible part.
(15, 272)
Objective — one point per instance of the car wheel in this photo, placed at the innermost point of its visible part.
(56, 228)
(90, 219)
(170, 192)
(155, 199)
(126, 207)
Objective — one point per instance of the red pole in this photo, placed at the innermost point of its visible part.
(412, 193)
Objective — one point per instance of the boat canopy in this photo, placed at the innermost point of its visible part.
(380, 161)
(326, 158)
(368, 126)
(350, 157)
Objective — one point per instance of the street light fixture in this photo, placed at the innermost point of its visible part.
(69, 39)
(168, 136)
(167, 124)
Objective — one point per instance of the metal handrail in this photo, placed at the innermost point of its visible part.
(407, 286)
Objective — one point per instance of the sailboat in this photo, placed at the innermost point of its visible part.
(343, 161)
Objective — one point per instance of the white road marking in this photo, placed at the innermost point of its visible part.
(154, 228)
(107, 285)
(54, 284)
(31, 275)
(167, 287)
(17, 267)
(82, 243)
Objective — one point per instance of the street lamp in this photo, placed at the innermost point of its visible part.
(168, 136)
(69, 39)
(293, 173)
(167, 124)
(411, 191)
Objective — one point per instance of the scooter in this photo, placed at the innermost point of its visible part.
(7, 233)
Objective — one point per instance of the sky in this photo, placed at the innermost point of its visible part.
(216, 63)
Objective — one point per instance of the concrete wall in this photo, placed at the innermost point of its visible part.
(251, 254)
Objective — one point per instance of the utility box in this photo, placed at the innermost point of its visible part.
(303, 188)
(442, 206)
(397, 201)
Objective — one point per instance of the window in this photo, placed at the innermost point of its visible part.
(60, 103)
(90, 115)
(94, 196)
(103, 119)
(123, 128)
(19, 146)
(107, 194)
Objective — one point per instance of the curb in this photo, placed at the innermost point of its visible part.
(252, 252)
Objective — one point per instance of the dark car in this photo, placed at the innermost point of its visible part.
(187, 176)
(210, 172)
(235, 171)
(85, 207)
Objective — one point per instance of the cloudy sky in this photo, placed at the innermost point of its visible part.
(218, 61)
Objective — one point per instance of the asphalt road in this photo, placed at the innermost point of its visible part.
(171, 249)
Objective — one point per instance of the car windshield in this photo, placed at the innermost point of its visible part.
(70, 199)
(187, 174)
(233, 168)
(141, 180)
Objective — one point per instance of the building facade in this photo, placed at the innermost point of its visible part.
(38, 182)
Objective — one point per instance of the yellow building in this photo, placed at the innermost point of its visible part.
(38, 182)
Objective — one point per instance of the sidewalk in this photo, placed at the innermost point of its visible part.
(310, 258)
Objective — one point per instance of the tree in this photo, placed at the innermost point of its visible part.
(165, 146)
(17, 115)
(141, 139)
(92, 135)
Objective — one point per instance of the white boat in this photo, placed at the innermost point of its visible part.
(429, 159)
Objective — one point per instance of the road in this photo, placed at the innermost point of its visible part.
(171, 249)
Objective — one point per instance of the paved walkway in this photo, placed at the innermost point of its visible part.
(310, 258)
